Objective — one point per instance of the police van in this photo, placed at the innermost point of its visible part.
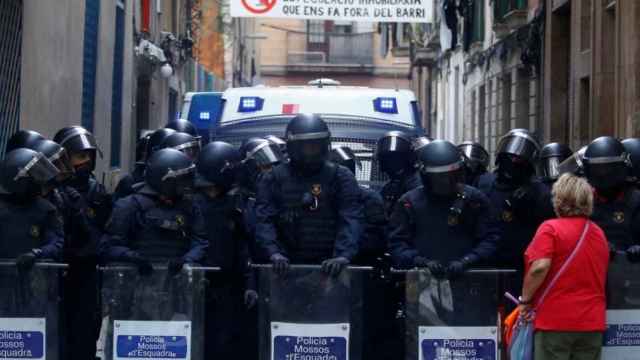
(357, 116)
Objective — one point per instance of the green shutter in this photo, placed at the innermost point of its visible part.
(478, 20)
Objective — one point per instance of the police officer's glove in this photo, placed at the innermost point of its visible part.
(280, 263)
(456, 268)
(26, 261)
(633, 253)
(250, 298)
(175, 266)
(434, 266)
(334, 266)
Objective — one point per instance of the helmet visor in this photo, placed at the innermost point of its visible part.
(550, 168)
(444, 183)
(518, 144)
(266, 154)
(475, 154)
(40, 169)
(62, 162)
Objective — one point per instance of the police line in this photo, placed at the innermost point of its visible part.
(303, 315)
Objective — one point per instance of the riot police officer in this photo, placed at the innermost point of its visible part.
(616, 204)
(234, 287)
(476, 161)
(308, 210)
(551, 156)
(84, 233)
(155, 224)
(126, 183)
(373, 242)
(520, 200)
(632, 147)
(31, 226)
(445, 225)
(396, 157)
(22, 139)
(184, 142)
(259, 156)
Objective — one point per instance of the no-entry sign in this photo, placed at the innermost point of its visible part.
(346, 10)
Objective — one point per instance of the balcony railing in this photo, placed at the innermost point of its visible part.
(304, 49)
(509, 15)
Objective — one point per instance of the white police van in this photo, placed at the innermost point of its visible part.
(357, 116)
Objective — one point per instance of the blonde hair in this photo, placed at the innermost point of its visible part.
(572, 196)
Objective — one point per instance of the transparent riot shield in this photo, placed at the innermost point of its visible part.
(309, 315)
(455, 319)
(30, 311)
(159, 316)
(622, 338)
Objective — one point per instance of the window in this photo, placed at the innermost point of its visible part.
(90, 61)
(343, 27)
(585, 25)
(316, 32)
(501, 8)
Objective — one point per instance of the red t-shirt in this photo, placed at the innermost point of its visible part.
(577, 300)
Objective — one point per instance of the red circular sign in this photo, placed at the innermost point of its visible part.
(259, 6)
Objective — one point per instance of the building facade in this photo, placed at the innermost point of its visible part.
(116, 67)
(476, 69)
(294, 52)
(591, 70)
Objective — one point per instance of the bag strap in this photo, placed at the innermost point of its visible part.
(565, 265)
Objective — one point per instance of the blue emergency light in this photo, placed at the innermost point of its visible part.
(250, 104)
(385, 105)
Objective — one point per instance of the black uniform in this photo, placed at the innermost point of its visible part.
(125, 185)
(142, 227)
(27, 226)
(395, 188)
(287, 224)
(619, 218)
(423, 225)
(228, 250)
(520, 211)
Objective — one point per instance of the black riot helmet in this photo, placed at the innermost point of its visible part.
(185, 126)
(278, 142)
(632, 147)
(57, 155)
(551, 156)
(170, 173)
(516, 157)
(23, 172)
(258, 155)
(184, 142)
(476, 157)
(77, 139)
(23, 139)
(394, 152)
(156, 139)
(217, 165)
(308, 142)
(441, 168)
(343, 155)
(606, 163)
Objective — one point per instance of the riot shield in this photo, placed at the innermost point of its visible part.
(159, 316)
(307, 314)
(30, 311)
(454, 319)
(622, 338)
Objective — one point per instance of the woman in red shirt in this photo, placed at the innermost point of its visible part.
(570, 320)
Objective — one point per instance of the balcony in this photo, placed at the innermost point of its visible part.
(509, 15)
(329, 53)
